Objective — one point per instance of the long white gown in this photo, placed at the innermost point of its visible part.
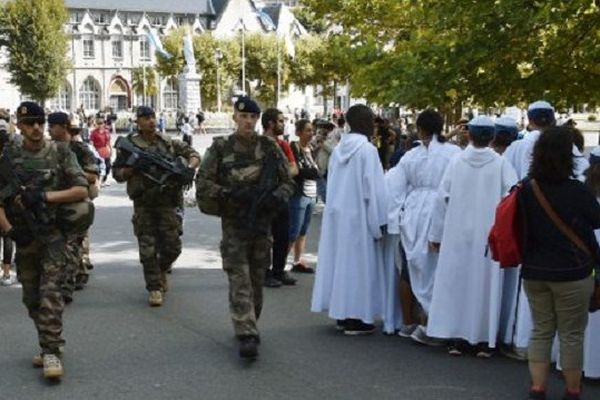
(467, 292)
(349, 282)
(516, 316)
(412, 189)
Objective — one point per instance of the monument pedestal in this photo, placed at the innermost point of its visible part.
(189, 92)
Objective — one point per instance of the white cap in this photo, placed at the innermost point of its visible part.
(482, 121)
(506, 122)
(540, 105)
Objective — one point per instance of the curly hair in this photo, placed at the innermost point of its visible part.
(553, 155)
(431, 122)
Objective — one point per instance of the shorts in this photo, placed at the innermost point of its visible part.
(301, 208)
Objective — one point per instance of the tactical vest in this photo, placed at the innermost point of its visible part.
(42, 172)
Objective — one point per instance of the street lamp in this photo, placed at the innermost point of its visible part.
(218, 57)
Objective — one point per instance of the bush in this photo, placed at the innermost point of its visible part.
(592, 118)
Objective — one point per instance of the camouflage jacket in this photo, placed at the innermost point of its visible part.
(52, 168)
(142, 190)
(85, 157)
(232, 162)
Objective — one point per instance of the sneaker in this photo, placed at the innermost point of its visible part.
(164, 282)
(37, 361)
(571, 396)
(516, 353)
(355, 327)
(484, 351)
(248, 347)
(271, 282)
(420, 336)
(454, 348)
(302, 269)
(155, 298)
(407, 330)
(285, 279)
(536, 395)
(52, 367)
(6, 280)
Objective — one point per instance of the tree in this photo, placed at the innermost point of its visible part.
(173, 44)
(33, 33)
(144, 82)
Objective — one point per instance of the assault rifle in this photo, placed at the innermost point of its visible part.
(161, 169)
(37, 218)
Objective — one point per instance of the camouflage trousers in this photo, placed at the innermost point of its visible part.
(40, 269)
(86, 253)
(245, 261)
(75, 266)
(158, 231)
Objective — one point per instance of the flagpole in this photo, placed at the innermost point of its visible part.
(243, 56)
(144, 84)
(278, 72)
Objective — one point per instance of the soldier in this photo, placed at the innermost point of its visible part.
(244, 178)
(156, 223)
(61, 130)
(49, 179)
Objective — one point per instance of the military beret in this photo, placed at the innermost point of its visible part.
(144, 111)
(58, 118)
(29, 110)
(246, 104)
(482, 125)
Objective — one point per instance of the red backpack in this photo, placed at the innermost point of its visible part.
(506, 235)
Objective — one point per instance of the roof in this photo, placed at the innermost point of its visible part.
(202, 7)
(273, 11)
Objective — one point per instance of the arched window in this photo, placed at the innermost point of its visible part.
(119, 95)
(89, 94)
(170, 95)
(62, 101)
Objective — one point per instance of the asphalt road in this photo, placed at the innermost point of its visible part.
(120, 348)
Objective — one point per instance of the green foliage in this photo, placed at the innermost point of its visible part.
(144, 77)
(263, 52)
(33, 33)
(489, 53)
(173, 44)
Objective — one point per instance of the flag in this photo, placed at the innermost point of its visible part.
(156, 43)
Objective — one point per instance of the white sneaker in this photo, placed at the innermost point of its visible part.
(6, 280)
(407, 330)
(420, 336)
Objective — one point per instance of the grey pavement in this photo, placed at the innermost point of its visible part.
(120, 348)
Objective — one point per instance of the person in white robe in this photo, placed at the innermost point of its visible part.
(412, 189)
(349, 281)
(517, 324)
(467, 291)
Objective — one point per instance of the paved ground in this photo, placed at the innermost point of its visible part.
(119, 348)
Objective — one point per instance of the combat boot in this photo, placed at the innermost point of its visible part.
(164, 281)
(52, 367)
(248, 347)
(155, 299)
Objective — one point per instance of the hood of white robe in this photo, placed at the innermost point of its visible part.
(349, 145)
(478, 158)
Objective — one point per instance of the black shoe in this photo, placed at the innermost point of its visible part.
(67, 298)
(89, 266)
(272, 282)
(340, 325)
(355, 327)
(285, 279)
(248, 347)
(455, 348)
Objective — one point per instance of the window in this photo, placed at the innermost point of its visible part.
(117, 48)
(100, 18)
(170, 95)
(63, 100)
(75, 17)
(89, 94)
(88, 48)
(144, 48)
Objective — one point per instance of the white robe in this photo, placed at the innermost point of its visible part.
(517, 324)
(349, 282)
(467, 292)
(412, 187)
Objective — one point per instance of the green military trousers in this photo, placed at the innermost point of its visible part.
(41, 269)
(158, 231)
(245, 259)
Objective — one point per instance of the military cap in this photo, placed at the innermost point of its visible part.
(58, 118)
(482, 125)
(144, 111)
(541, 112)
(246, 104)
(28, 111)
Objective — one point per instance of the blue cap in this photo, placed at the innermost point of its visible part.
(482, 126)
(28, 111)
(58, 118)
(246, 104)
(507, 124)
(595, 156)
(541, 113)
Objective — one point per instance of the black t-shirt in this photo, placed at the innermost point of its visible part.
(548, 254)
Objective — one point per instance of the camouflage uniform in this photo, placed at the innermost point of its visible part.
(76, 270)
(228, 164)
(41, 264)
(156, 223)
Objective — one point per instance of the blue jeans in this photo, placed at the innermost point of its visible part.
(322, 189)
(301, 208)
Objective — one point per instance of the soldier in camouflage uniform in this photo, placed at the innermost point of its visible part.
(228, 184)
(60, 131)
(155, 220)
(52, 179)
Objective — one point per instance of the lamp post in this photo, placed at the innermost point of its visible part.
(218, 57)
(243, 56)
